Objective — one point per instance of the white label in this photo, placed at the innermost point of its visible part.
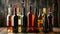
(19, 29)
(19, 21)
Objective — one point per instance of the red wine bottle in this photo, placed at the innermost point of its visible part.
(30, 21)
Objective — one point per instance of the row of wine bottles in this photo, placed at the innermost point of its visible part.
(30, 22)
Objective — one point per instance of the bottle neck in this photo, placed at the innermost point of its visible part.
(40, 17)
(15, 14)
(24, 11)
(30, 8)
(9, 10)
(15, 11)
(36, 12)
(49, 9)
(18, 10)
(40, 11)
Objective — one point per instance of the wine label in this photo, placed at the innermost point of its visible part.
(19, 29)
(19, 21)
(40, 22)
(40, 25)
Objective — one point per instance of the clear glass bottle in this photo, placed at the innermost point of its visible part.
(9, 19)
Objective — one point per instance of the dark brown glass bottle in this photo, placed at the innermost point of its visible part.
(36, 21)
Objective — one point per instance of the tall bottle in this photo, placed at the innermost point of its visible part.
(9, 19)
(50, 20)
(40, 21)
(24, 26)
(30, 20)
(36, 21)
(15, 21)
(19, 19)
(45, 24)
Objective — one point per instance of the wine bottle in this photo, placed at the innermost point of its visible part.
(40, 21)
(36, 21)
(9, 19)
(24, 26)
(19, 19)
(50, 20)
(15, 20)
(30, 19)
(45, 24)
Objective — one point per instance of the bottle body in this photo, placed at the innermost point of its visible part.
(50, 19)
(19, 23)
(40, 23)
(9, 20)
(31, 22)
(24, 21)
(36, 21)
(24, 26)
(9, 26)
(15, 27)
(45, 25)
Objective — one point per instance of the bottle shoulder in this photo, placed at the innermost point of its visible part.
(9, 15)
(49, 15)
(13, 16)
(28, 13)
